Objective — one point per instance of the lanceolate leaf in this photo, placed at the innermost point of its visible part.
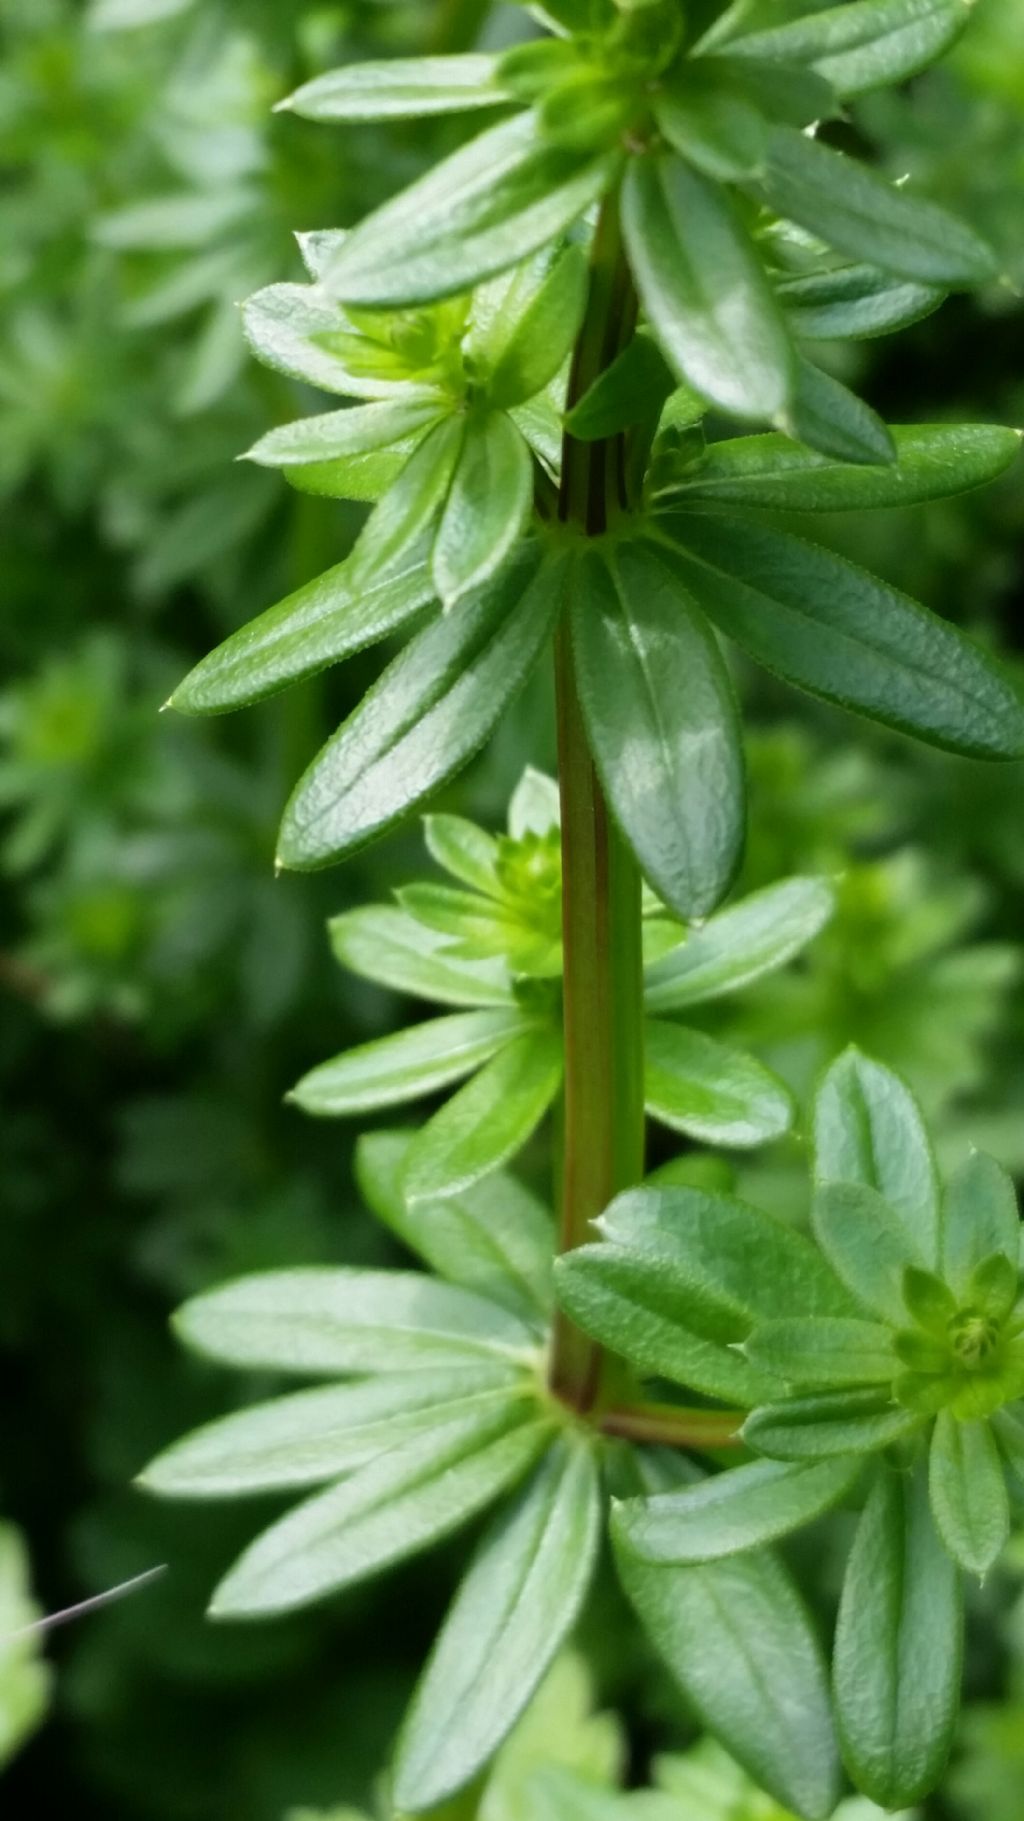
(711, 122)
(867, 44)
(867, 1244)
(898, 1646)
(632, 1302)
(404, 88)
(704, 290)
(662, 723)
(838, 632)
(487, 507)
(488, 1120)
(284, 325)
(979, 1217)
(479, 211)
(312, 1436)
(731, 1512)
(731, 950)
(829, 417)
(854, 301)
(408, 510)
(856, 211)
(697, 1085)
(407, 1063)
(632, 389)
(728, 1253)
(326, 620)
(542, 338)
(834, 1423)
(394, 1507)
(382, 942)
(868, 1129)
(517, 1604)
(316, 1319)
(466, 851)
(429, 712)
(932, 460)
(338, 433)
(737, 1639)
(968, 1492)
(495, 1238)
(822, 1353)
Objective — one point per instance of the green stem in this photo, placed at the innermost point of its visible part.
(603, 1150)
(674, 1426)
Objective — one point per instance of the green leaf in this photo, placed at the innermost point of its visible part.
(352, 477)
(852, 208)
(328, 619)
(829, 417)
(353, 431)
(432, 709)
(867, 1244)
(728, 1253)
(634, 1303)
(298, 330)
(865, 45)
(783, 91)
(696, 1085)
(488, 1121)
(711, 122)
(868, 1128)
(411, 505)
(898, 1648)
(830, 628)
(477, 926)
(535, 806)
(543, 337)
(495, 1238)
(752, 938)
(403, 88)
(477, 212)
(319, 1319)
(932, 461)
(299, 1441)
(487, 508)
(979, 1217)
(382, 942)
(833, 1423)
(824, 1353)
(704, 290)
(514, 1609)
(681, 1279)
(406, 1064)
(853, 302)
(968, 1492)
(1008, 1429)
(392, 1508)
(662, 723)
(465, 850)
(631, 390)
(741, 1509)
(737, 1639)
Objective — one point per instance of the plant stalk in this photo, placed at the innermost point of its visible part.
(674, 1426)
(603, 1145)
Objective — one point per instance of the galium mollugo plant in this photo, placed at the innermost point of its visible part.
(657, 226)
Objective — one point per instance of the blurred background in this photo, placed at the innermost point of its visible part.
(160, 990)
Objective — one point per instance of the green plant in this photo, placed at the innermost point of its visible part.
(536, 332)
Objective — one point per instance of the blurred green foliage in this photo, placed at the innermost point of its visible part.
(160, 990)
